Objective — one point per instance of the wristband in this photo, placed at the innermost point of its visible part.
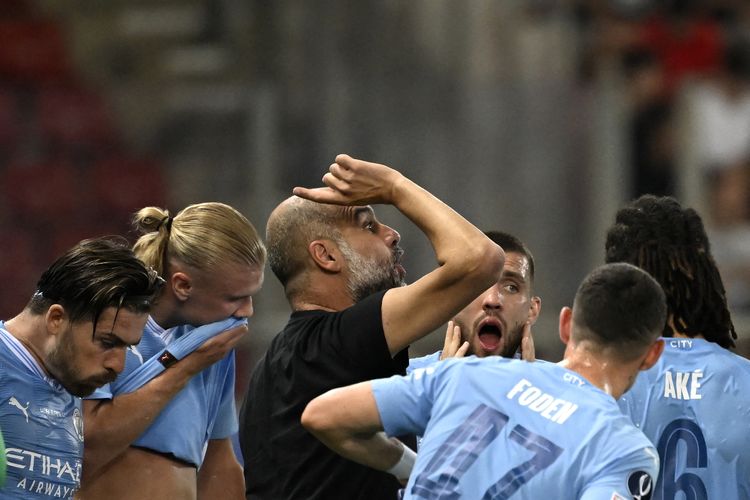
(405, 464)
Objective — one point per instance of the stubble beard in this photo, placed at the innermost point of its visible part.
(367, 276)
(60, 363)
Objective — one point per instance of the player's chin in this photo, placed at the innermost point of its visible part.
(482, 352)
(81, 390)
(87, 388)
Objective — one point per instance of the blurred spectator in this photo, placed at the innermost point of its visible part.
(651, 127)
(722, 111)
(659, 46)
(719, 135)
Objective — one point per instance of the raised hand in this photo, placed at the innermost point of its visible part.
(527, 344)
(453, 347)
(354, 182)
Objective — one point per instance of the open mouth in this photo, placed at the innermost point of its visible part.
(490, 337)
(398, 253)
(400, 271)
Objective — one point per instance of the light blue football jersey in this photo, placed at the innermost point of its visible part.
(694, 405)
(42, 426)
(501, 428)
(203, 410)
(423, 361)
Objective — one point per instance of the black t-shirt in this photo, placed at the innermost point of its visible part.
(316, 351)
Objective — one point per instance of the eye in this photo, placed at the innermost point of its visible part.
(107, 343)
(370, 226)
(511, 288)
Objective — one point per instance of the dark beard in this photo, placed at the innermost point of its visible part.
(511, 348)
(59, 365)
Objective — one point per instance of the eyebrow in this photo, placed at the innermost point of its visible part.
(111, 336)
(513, 275)
(362, 213)
(239, 297)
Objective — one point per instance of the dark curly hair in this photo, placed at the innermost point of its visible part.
(660, 236)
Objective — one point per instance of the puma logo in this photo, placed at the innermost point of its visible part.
(135, 351)
(24, 409)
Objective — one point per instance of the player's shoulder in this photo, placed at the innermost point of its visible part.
(735, 360)
(423, 361)
(618, 443)
(687, 351)
(473, 363)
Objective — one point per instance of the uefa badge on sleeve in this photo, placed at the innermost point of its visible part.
(640, 485)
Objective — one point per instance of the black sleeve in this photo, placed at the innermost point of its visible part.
(357, 337)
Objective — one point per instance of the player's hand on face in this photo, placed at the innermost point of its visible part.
(452, 346)
(215, 348)
(527, 344)
(354, 182)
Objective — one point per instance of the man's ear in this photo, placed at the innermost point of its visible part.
(653, 354)
(182, 285)
(56, 318)
(326, 255)
(566, 320)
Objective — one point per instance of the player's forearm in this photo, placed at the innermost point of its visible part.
(469, 263)
(374, 450)
(458, 244)
(347, 420)
(112, 425)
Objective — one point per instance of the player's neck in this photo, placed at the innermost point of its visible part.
(677, 332)
(327, 293)
(166, 312)
(609, 376)
(31, 331)
(683, 336)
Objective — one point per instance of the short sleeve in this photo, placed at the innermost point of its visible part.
(405, 402)
(226, 417)
(358, 338)
(631, 476)
(424, 361)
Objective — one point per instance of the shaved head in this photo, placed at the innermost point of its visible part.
(291, 227)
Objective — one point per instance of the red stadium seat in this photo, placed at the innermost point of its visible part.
(32, 51)
(41, 193)
(9, 120)
(20, 267)
(73, 119)
(123, 185)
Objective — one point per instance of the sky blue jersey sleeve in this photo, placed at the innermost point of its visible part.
(629, 476)
(423, 361)
(103, 392)
(405, 402)
(226, 423)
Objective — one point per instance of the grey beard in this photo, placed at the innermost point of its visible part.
(366, 277)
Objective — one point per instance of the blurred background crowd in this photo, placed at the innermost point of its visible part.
(538, 117)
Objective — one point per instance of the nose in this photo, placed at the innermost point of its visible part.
(246, 309)
(392, 237)
(115, 360)
(492, 298)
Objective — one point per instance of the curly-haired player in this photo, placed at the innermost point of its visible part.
(695, 403)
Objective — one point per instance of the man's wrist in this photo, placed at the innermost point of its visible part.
(402, 468)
